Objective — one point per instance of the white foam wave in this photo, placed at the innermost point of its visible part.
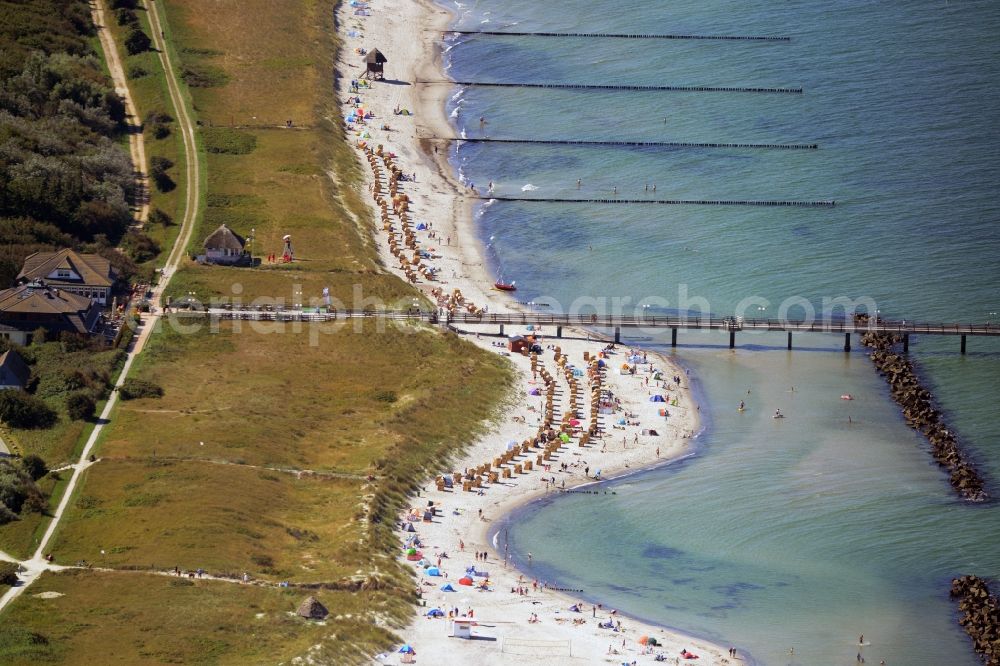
(529, 188)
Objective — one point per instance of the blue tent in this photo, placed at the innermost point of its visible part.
(656, 398)
(447, 588)
(435, 612)
(421, 226)
(433, 571)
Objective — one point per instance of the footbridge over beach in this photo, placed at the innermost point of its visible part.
(904, 328)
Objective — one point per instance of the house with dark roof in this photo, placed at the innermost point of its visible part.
(14, 372)
(35, 305)
(224, 246)
(89, 275)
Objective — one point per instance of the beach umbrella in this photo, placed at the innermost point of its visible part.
(574, 422)
(411, 551)
(643, 640)
(534, 391)
(406, 649)
(286, 237)
(465, 580)
(564, 437)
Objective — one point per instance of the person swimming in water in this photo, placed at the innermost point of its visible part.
(778, 414)
(742, 406)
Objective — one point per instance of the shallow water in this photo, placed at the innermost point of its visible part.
(808, 531)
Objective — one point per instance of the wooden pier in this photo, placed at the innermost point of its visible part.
(732, 325)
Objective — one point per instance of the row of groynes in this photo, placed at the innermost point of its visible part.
(920, 414)
(980, 616)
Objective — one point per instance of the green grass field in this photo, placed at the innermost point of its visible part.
(136, 618)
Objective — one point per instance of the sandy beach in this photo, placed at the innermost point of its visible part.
(516, 619)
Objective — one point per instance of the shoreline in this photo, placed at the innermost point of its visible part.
(407, 35)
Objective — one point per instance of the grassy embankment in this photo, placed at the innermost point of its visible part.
(390, 402)
(148, 86)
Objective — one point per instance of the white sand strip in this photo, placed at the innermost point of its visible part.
(408, 34)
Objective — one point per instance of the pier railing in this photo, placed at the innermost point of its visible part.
(903, 327)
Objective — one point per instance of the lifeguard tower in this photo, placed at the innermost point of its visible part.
(375, 69)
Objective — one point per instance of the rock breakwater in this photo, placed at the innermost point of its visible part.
(980, 616)
(920, 414)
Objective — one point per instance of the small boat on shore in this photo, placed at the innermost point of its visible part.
(504, 286)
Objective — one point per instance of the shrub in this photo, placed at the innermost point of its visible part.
(34, 466)
(230, 141)
(6, 515)
(126, 17)
(80, 406)
(74, 342)
(124, 4)
(203, 76)
(133, 389)
(22, 410)
(17, 492)
(137, 72)
(139, 246)
(158, 170)
(137, 42)
(8, 573)
(159, 124)
(157, 216)
(385, 396)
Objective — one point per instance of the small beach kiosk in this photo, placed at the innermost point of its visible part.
(462, 628)
(375, 65)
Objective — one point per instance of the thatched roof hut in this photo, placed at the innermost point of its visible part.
(312, 609)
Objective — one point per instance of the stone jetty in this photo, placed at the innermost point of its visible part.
(918, 409)
(980, 616)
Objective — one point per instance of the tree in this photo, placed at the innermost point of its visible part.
(137, 42)
(23, 410)
(34, 466)
(80, 406)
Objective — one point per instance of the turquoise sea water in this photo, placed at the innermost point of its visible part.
(809, 531)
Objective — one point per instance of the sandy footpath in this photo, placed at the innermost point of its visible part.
(408, 34)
